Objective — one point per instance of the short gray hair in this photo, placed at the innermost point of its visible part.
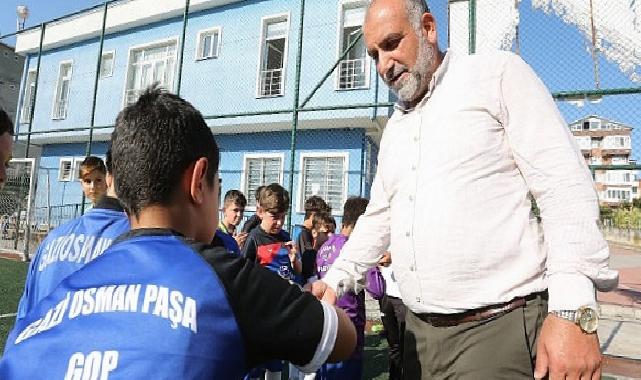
(415, 10)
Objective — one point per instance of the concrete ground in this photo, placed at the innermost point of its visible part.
(620, 310)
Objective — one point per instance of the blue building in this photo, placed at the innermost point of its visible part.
(239, 57)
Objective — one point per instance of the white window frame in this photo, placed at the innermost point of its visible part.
(261, 50)
(70, 160)
(243, 177)
(342, 5)
(213, 30)
(113, 63)
(301, 174)
(77, 161)
(165, 41)
(25, 113)
(55, 112)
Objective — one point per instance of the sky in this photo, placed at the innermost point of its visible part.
(557, 51)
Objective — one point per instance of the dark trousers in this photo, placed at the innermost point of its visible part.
(502, 347)
(393, 320)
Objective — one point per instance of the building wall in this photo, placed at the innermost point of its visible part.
(11, 65)
(233, 149)
(216, 86)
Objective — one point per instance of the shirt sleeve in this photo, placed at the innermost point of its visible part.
(366, 244)
(249, 249)
(557, 176)
(277, 320)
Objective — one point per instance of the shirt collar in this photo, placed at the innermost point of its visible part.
(437, 77)
(109, 203)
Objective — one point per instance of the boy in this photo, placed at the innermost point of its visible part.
(270, 246)
(353, 304)
(72, 245)
(323, 227)
(305, 240)
(92, 178)
(163, 302)
(6, 145)
(254, 220)
(233, 210)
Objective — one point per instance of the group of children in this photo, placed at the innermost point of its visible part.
(264, 241)
(159, 288)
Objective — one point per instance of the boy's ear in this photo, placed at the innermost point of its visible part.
(196, 180)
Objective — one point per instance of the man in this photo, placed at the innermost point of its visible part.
(6, 145)
(476, 134)
(72, 245)
(162, 302)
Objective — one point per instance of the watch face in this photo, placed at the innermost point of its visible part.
(588, 320)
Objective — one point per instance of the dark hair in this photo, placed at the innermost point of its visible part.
(257, 192)
(90, 164)
(315, 204)
(108, 161)
(5, 123)
(324, 218)
(235, 197)
(155, 140)
(274, 198)
(354, 207)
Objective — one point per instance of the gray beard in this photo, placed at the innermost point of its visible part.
(420, 75)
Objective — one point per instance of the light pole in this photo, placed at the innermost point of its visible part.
(23, 12)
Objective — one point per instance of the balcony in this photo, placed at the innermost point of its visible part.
(352, 74)
(271, 82)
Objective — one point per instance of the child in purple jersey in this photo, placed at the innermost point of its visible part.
(352, 303)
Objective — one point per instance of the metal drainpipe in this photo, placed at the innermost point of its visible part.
(182, 48)
(292, 158)
(472, 26)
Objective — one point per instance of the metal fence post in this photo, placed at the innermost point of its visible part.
(182, 47)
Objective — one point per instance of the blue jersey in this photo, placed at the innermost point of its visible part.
(157, 306)
(70, 247)
(228, 241)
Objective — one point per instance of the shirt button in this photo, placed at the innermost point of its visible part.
(418, 299)
(413, 167)
(411, 198)
(407, 234)
(416, 138)
(413, 268)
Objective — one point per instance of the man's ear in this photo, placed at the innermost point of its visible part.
(428, 24)
(197, 177)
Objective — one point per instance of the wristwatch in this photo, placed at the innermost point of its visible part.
(585, 317)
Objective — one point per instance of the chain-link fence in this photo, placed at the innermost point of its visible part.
(293, 98)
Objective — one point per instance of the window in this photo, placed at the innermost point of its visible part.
(66, 170)
(208, 44)
(619, 160)
(273, 56)
(107, 65)
(260, 170)
(594, 160)
(29, 92)
(353, 70)
(155, 63)
(324, 175)
(61, 100)
(77, 161)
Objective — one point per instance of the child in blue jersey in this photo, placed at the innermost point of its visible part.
(271, 247)
(352, 303)
(233, 209)
(72, 245)
(163, 302)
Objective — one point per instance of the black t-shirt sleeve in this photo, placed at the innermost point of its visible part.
(277, 320)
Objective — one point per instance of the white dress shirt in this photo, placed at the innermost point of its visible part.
(391, 287)
(450, 197)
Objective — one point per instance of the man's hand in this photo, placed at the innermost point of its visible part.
(566, 352)
(322, 291)
(240, 239)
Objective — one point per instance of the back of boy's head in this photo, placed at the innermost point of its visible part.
(315, 204)
(236, 198)
(274, 198)
(154, 142)
(6, 126)
(354, 207)
(90, 164)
